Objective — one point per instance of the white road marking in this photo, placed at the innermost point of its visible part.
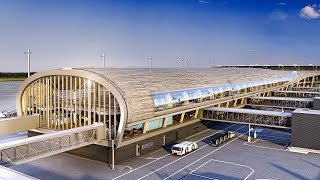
(189, 155)
(170, 153)
(275, 137)
(148, 158)
(275, 141)
(251, 142)
(200, 166)
(205, 177)
(264, 147)
(252, 170)
(156, 151)
(198, 133)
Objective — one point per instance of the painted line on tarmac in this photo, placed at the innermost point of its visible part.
(276, 137)
(286, 144)
(274, 140)
(187, 156)
(251, 142)
(155, 151)
(170, 154)
(199, 132)
(201, 176)
(226, 162)
(265, 147)
(209, 153)
(252, 170)
(150, 158)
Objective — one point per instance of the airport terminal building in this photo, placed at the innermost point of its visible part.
(144, 109)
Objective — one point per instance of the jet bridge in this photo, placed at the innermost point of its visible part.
(296, 94)
(281, 102)
(249, 116)
(36, 147)
(311, 89)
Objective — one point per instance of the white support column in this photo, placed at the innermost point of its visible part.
(249, 136)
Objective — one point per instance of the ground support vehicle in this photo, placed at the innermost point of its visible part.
(183, 148)
(222, 137)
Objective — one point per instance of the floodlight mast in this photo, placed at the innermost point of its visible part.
(103, 60)
(150, 61)
(28, 54)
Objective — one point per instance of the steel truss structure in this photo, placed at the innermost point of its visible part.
(28, 149)
(247, 118)
(309, 89)
(297, 94)
(281, 103)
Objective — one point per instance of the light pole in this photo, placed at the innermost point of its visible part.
(150, 61)
(182, 60)
(103, 60)
(28, 54)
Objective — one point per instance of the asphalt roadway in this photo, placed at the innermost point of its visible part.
(264, 158)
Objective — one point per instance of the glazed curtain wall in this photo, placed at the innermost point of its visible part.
(167, 100)
(65, 102)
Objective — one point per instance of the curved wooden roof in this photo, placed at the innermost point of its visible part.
(138, 84)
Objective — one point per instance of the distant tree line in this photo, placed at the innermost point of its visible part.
(14, 75)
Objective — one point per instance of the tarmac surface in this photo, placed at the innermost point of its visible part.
(8, 91)
(263, 158)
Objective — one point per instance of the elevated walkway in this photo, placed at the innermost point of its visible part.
(18, 124)
(296, 94)
(32, 148)
(281, 102)
(311, 89)
(249, 116)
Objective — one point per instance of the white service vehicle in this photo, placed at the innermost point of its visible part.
(183, 148)
(2, 116)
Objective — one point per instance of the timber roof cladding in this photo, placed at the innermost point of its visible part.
(138, 84)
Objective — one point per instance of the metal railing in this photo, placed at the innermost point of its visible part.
(247, 118)
(281, 103)
(32, 148)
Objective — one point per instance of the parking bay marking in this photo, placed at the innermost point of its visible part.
(189, 155)
(170, 154)
(242, 165)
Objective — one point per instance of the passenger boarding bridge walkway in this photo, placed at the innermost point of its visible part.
(296, 94)
(36, 147)
(281, 102)
(310, 89)
(249, 116)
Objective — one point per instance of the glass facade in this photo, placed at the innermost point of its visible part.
(169, 100)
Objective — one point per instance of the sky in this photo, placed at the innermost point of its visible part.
(75, 33)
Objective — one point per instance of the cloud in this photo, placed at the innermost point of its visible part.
(282, 4)
(278, 15)
(309, 12)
